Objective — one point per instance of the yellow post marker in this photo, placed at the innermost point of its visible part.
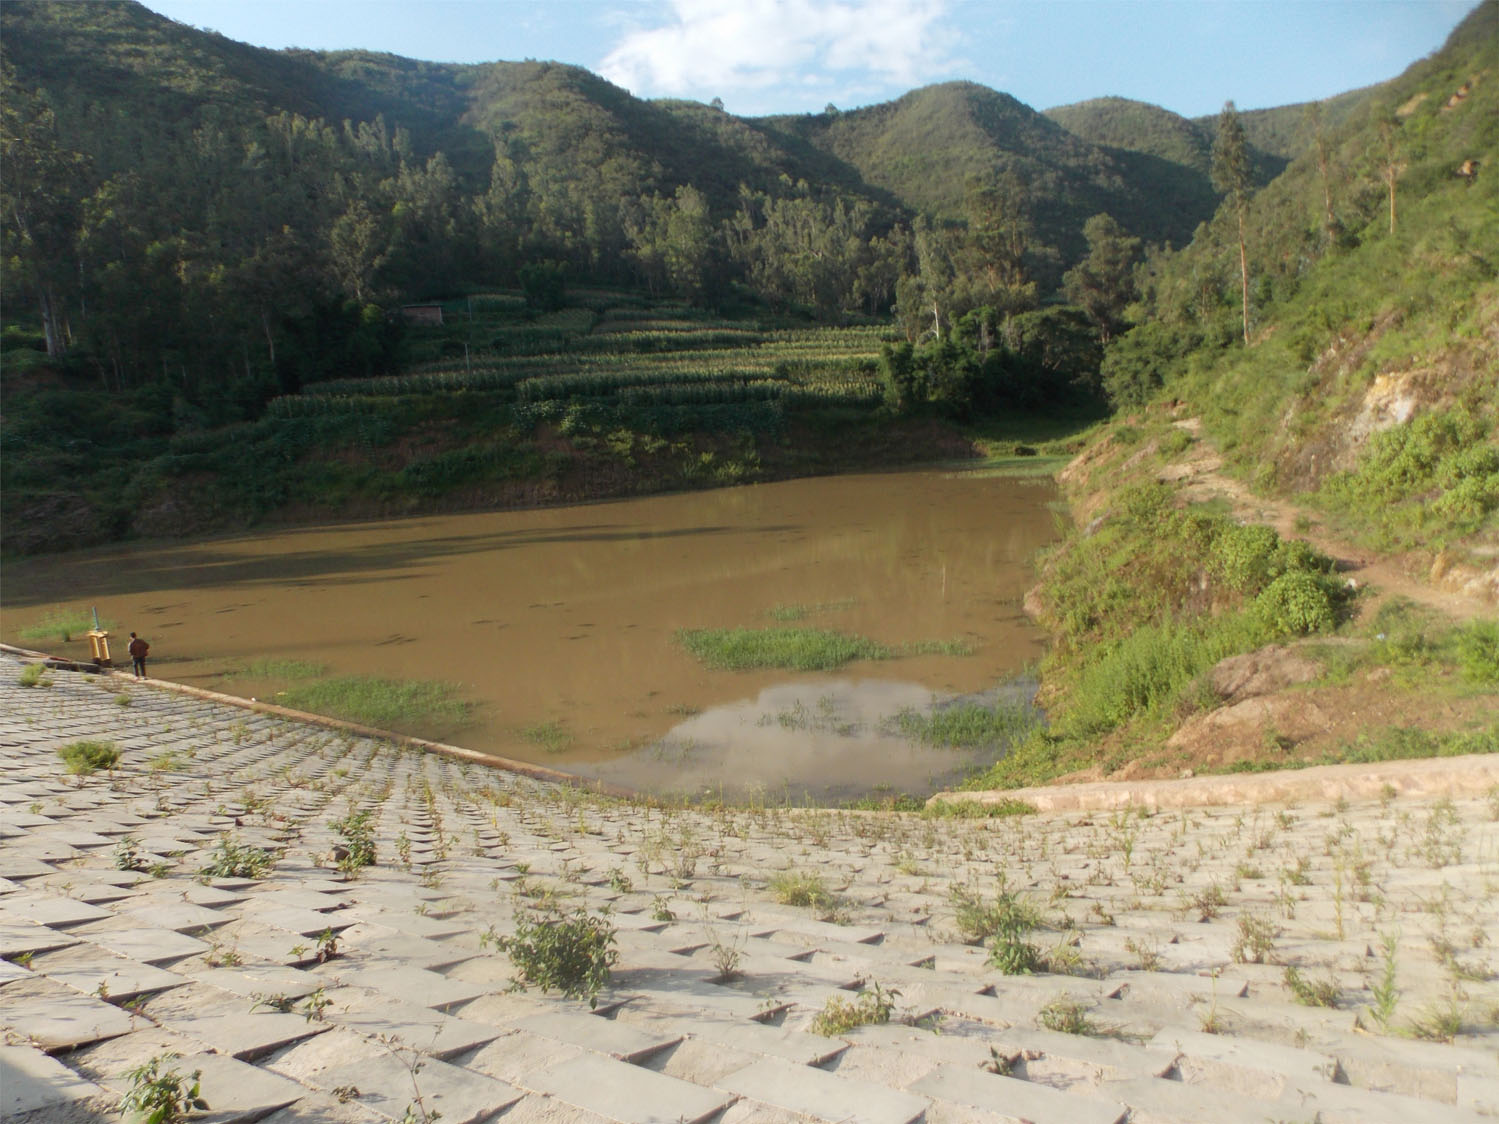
(98, 647)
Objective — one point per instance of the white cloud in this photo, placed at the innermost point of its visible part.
(719, 47)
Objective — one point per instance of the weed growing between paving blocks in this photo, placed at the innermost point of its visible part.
(34, 675)
(159, 1095)
(870, 1008)
(356, 833)
(573, 953)
(233, 859)
(85, 757)
(803, 888)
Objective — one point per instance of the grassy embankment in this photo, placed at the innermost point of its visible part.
(1146, 595)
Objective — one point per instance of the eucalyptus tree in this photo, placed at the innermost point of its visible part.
(43, 188)
(1233, 175)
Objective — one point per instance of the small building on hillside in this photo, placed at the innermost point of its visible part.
(425, 314)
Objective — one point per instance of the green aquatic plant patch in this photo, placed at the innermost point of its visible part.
(791, 649)
(62, 625)
(550, 736)
(969, 725)
(279, 669)
(800, 649)
(407, 705)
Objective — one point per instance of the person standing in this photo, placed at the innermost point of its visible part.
(138, 650)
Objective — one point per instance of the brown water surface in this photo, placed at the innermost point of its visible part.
(564, 619)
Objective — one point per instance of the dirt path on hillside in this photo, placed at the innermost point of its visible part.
(1200, 478)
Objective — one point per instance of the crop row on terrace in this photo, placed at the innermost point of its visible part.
(631, 357)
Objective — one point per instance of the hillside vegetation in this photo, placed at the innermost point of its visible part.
(1368, 384)
(1367, 393)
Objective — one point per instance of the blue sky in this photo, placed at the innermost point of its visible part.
(794, 56)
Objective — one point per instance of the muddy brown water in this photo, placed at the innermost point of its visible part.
(564, 620)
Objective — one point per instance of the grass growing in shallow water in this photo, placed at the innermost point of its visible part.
(398, 704)
(969, 725)
(550, 736)
(62, 625)
(796, 649)
(279, 669)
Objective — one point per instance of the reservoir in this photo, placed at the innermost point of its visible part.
(560, 627)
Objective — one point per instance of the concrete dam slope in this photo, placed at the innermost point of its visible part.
(204, 906)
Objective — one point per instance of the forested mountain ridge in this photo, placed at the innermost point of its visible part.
(201, 229)
(125, 84)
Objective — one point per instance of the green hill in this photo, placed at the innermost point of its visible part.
(1286, 131)
(929, 147)
(1138, 126)
(1371, 380)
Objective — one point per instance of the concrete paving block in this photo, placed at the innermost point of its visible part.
(1111, 1058)
(180, 917)
(151, 946)
(769, 1041)
(823, 1096)
(237, 1091)
(80, 838)
(388, 1085)
(10, 972)
(1478, 1094)
(55, 1017)
(626, 1093)
(40, 850)
(1264, 1058)
(324, 1108)
(603, 1036)
(811, 930)
(90, 971)
(19, 937)
(771, 968)
(93, 889)
(1172, 987)
(407, 984)
(409, 922)
(249, 981)
(1162, 1101)
(288, 897)
(1017, 1099)
(377, 942)
(242, 1033)
(420, 1028)
(1344, 1104)
(211, 896)
(684, 992)
(49, 909)
(30, 1081)
(303, 922)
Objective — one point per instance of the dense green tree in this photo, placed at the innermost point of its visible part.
(800, 249)
(1102, 284)
(1232, 175)
(999, 238)
(44, 180)
(675, 245)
